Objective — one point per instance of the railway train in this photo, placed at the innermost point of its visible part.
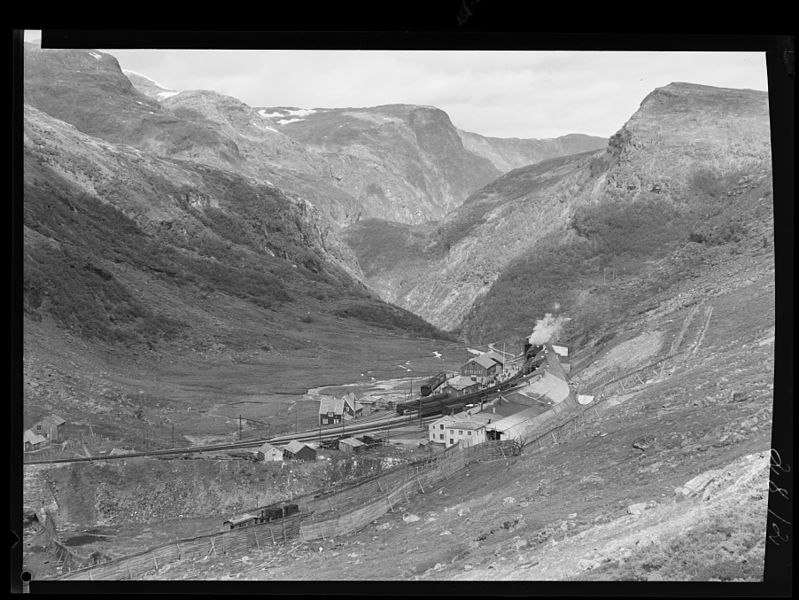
(441, 403)
(429, 386)
(262, 516)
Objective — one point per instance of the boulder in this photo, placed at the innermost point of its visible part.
(410, 517)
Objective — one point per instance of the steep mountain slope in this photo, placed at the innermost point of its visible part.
(403, 163)
(139, 262)
(687, 193)
(684, 148)
(88, 90)
(507, 154)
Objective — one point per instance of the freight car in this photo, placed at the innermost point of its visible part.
(404, 408)
(262, 516)
(442, 403)
(429, 386)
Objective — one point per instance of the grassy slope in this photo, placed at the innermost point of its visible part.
(654, 247)
(567, 517)
(127, 318)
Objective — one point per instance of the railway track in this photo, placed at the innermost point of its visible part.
(317, 434)
(327, 432)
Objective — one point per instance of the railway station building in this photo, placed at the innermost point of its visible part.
(482, 367)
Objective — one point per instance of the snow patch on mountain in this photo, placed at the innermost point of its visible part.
(287, 121)
(301, 112)
(95, 55)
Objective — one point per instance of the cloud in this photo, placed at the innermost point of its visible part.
(502, 94)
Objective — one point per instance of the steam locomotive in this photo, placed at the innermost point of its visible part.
(442, 403)
(262, 516)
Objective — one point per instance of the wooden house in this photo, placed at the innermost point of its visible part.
(50, 427)
(269, 453)
(33, 441)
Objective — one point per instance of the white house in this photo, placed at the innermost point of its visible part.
(437, 429)
(460, 428)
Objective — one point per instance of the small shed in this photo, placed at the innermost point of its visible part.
(351, 445)
(298, 451)
(33, 441)
(371, 441)
(269, 453)
(50, 427)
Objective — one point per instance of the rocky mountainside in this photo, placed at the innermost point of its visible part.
(89, 90)
(670, 166)
(403, 163)
(507, 154)
(137, 256)
(147, 86)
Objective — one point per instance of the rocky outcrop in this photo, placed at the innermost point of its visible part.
(402, 163)
(507, 154)
(681, 135)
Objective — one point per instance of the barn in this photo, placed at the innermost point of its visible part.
(298, 451)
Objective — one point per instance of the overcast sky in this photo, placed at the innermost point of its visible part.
(526, 94)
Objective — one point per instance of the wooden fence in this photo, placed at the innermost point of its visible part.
(408, 482)
(133, 566)
(393, 485)
(68, 559)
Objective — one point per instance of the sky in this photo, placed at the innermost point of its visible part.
(525, 94)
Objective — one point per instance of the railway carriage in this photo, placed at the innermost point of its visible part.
(264, 515)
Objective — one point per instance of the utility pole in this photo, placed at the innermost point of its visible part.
(239, 427)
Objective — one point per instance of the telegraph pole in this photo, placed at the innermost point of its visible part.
(239, 427)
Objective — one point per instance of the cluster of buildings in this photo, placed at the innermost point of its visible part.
(486, 369)
(473, 426)
(296, 450)
(49, 429)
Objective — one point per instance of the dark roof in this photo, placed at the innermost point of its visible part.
(483, 360)
(295, 446)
